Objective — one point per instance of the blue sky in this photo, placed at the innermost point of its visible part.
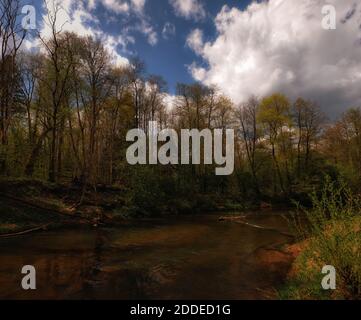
(242, 47)
(170, 56)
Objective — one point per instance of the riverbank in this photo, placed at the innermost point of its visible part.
(33, 205)
(339, 245)
(39, 208)
(30, 205)
(330, 237)
(43, 209)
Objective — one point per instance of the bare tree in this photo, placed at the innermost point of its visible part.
(136, 79)
(309, 118)
(157, 87)
(95, 73)
(58, 77)
(247, 115)
(12, 36)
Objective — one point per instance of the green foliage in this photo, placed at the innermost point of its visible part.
(332, 233)
(333, 203)
(275, 110)
(339, 245)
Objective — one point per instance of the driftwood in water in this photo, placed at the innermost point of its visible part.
(20, 233)
(242, 220)
(232, 218)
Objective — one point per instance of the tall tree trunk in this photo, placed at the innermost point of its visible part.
(29, 168)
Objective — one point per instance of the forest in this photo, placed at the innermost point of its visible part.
(65, 110)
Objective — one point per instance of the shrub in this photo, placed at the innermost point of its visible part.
(333, 234)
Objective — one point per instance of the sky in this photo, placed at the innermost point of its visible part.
(243, 47)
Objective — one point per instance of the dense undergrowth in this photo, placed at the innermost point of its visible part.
(331, 235)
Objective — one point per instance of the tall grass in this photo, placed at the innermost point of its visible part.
(332, 236)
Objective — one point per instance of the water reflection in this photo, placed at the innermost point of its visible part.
(187, 258)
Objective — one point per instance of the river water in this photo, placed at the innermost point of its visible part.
(179, 258)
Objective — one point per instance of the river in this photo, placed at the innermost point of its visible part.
(176, 258)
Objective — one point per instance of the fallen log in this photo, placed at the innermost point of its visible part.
(37, 205)
(20, 233)
(241, 220)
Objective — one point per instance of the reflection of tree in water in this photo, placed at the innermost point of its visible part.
(134, 263)
(100, 241)
(93, 272)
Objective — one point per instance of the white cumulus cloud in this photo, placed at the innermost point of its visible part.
(117, 6)
(76, 16)
(189, 9)
(195, 41)
(280, 45)
(80, 17)
(138, 5)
